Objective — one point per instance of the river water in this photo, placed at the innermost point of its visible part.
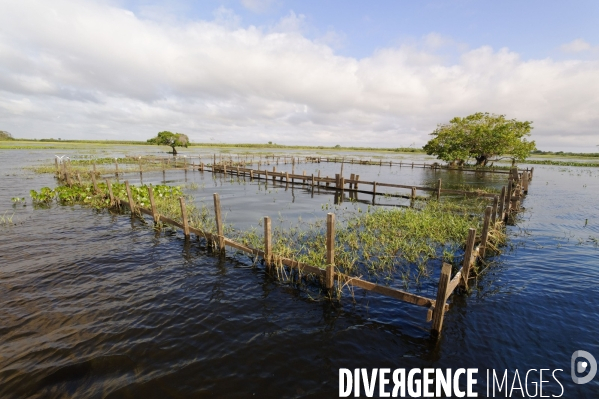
(95, 304)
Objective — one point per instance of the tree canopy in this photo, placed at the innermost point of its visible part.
(481, 136)
(171, 139)
(5, 135)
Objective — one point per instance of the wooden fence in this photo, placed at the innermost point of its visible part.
(328, 275)
(494, 217)
(508, 200)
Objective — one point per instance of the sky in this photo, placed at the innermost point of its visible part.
(354, 73)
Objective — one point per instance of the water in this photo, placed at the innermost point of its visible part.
(98, 305)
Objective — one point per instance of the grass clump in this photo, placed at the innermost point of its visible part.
(380, 242)
(376, 242)
(166, 200)
(107, 165)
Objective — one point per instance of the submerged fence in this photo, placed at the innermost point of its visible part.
(327, 274)
(476, 248)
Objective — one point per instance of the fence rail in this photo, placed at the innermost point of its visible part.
(446, 286)
(494, 217)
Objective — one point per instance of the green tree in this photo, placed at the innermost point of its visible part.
(481, 136)
(5, 135)
(171, 139)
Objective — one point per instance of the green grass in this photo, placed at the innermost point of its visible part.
(377, 243)
(380, 242)
(562, 163)
(74, 144)
(565, 154)
(107, 165)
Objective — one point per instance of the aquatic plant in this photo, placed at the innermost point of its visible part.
(382, 242)
(375, 242)
(6, 220)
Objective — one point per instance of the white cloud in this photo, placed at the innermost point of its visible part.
(257, 6)
(332, 38)
(575, 46)
(290, 23)
(88, 70)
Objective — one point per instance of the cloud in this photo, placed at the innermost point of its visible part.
(257, 6)
(332, 38)
(89, 70)
(575, 46)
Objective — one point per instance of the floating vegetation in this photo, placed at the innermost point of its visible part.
(166, 200)
(562, 163)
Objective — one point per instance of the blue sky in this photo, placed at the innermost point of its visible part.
(534, 29)
(297, 72)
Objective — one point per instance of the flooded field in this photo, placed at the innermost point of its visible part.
(99, 305)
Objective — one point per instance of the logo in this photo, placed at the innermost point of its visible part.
(582, 366)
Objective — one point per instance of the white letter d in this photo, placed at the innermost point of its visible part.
(345, 383)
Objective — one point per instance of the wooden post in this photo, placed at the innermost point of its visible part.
(439, 312)
(494, 214)
(485, 232)
(336, 180)
(525, 178)
(56, 163)
(130, 197)
(110, 192)
(502, 203)
(439, 190)
(312, 181)
(330, 272)
(267, 242)
(352, 177)
(140, 170)
(509, 194)
(412, 165)
(413, 192)
(356, 183)
(79, 179)
(514, 173)
(202, 166)
(373, 190)
(341, 173)
(531, 172)
(93, 175)
(251, 174)
(116, 165)
(467, 263)
(342, 182)
(152, 204)
(219, 223)
(184, 217)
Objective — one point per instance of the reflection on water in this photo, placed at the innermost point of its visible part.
(99, 305)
